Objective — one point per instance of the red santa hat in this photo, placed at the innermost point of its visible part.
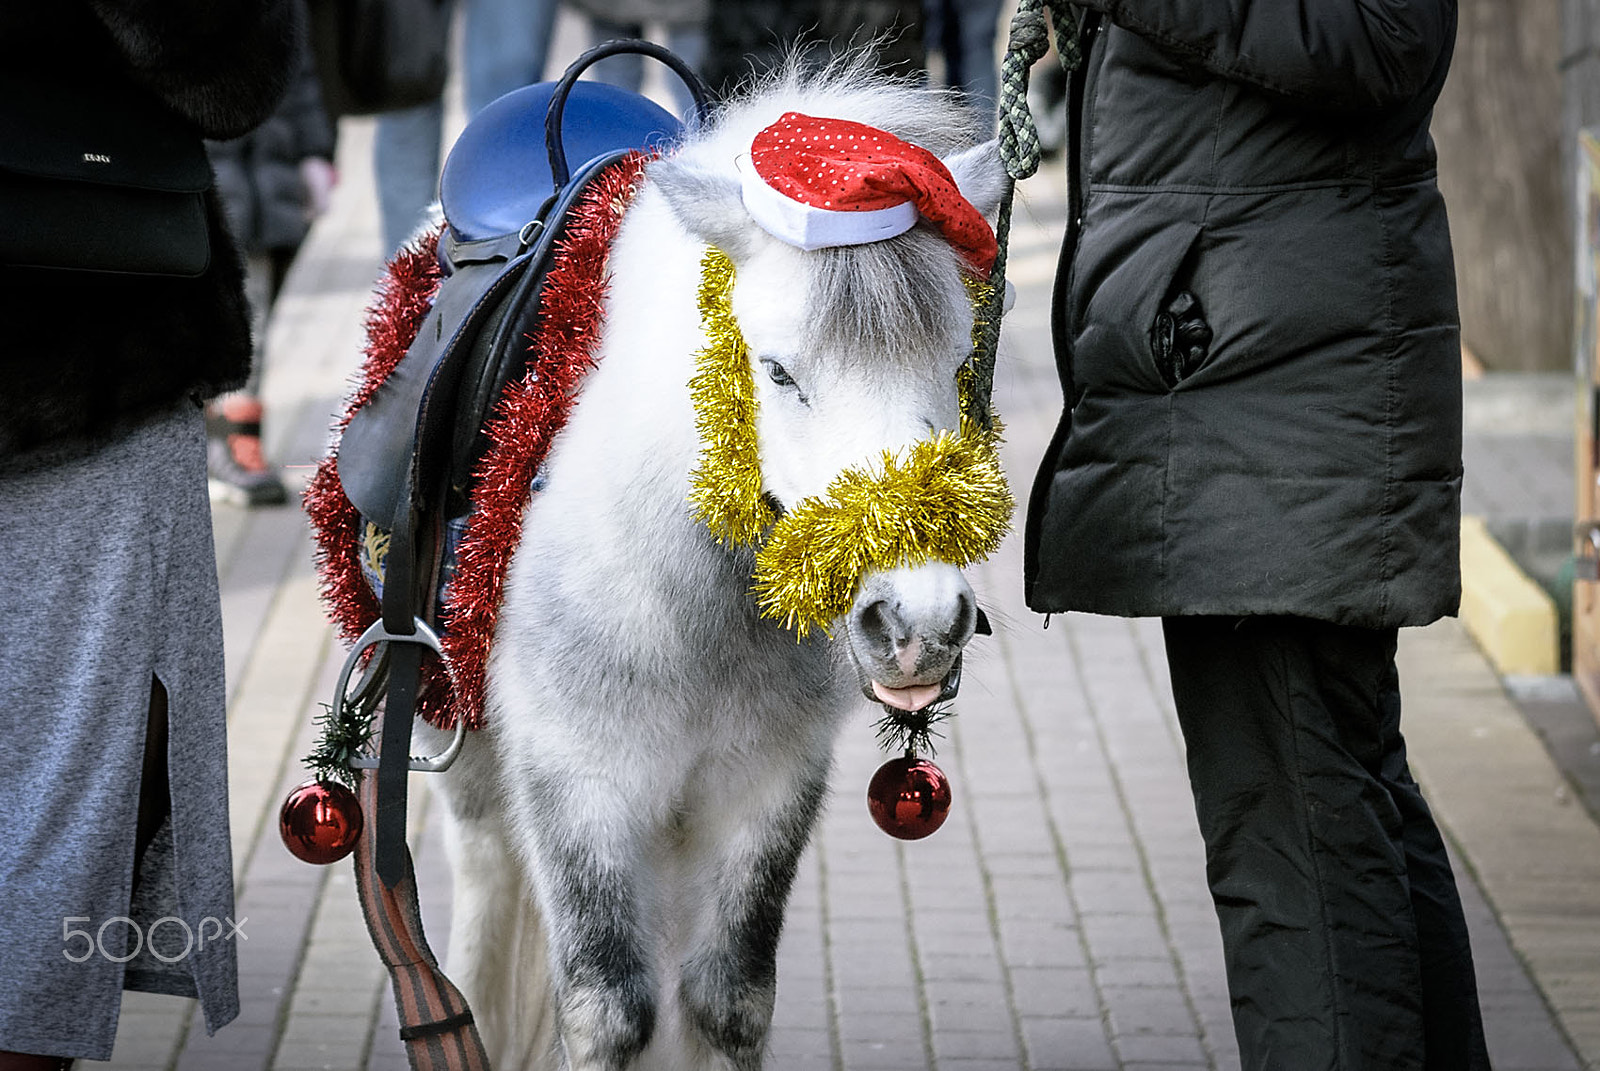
(815, 182)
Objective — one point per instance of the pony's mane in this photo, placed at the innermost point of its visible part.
(850, 87)
(894, 292)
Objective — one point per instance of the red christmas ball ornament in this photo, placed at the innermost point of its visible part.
(909, 797)
(320, 822)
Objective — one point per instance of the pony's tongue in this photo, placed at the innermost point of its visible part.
(914, 698)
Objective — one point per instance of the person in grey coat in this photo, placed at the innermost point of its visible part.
(116, 865)
(1256, 331)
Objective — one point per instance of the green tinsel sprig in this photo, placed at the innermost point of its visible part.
(911, 731)
(343, 736)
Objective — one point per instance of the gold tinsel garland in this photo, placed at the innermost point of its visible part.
(944, 499)
(726, 486)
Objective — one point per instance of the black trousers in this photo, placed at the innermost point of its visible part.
(1341, 925)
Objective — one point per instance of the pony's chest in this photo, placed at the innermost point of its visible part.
(667, 620)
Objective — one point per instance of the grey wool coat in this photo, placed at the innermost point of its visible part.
(1255, 319)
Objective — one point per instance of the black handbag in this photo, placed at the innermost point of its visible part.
(100, 176)
(380, 55)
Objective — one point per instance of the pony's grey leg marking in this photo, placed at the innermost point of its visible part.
(727, 989)
(604, 984)
(605, 989)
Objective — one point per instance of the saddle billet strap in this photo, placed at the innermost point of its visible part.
(435, 1022)
(394, 763)
(405, 677)
(503, 248)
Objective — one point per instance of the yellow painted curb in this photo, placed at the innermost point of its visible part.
(1510, 617)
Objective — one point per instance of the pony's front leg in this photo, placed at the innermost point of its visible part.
(748, 849)
(584, 844)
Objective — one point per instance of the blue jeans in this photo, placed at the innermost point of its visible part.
(504, 46)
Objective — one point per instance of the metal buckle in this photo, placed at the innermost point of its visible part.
(377, 634)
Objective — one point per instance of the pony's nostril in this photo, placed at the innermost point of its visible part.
(879, 625)
(966, 620)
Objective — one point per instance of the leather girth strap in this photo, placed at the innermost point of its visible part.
(435, 1022)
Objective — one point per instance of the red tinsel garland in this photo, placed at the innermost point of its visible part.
(404, 296)
(531, 413)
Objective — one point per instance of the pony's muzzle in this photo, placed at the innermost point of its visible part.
(906, 631)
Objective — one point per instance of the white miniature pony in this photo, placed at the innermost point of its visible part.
(625, 830)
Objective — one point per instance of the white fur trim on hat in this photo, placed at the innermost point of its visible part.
(817, 228)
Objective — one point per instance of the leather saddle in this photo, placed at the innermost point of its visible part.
(506, 188)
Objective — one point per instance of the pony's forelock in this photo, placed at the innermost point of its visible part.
(898, 297)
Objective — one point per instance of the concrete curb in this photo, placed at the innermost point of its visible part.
(1532, 848)
(1512, 619)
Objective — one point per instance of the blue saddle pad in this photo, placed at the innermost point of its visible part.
(498, 172)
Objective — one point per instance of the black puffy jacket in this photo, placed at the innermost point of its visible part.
(83, 354)
(1255, 319)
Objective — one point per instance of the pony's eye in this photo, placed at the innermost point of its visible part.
(780, 375)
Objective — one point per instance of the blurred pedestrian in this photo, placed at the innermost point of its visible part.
(1256, 330)
(115, 866)
(683, 28)
(963, 33)
(274, 181)
(505, 46)
(748, 38)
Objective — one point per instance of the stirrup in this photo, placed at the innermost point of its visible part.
(376, 634)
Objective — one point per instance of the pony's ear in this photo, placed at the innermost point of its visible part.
(979, 175)
(707, 203)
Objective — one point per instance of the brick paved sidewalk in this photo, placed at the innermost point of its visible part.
(1060, 919)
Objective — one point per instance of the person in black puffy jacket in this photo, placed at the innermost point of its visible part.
(1256, 331)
